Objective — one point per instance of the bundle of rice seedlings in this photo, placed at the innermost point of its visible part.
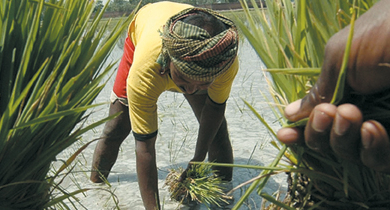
(290, 39)
(200, 186)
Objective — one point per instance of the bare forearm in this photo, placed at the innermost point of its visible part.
(211, 119)
(147, 173)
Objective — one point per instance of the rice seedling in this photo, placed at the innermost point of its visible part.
(290, 39)
(200, 186)
(51, 67)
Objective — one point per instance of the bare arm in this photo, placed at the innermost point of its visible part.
(209, 123)
(147, 173)
(210, 116)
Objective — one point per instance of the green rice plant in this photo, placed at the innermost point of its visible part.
(200, 186)
(51, 67)
(290, 37)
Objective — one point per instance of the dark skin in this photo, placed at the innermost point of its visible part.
(212, 122)
(212, 139)
(213, 136)
(342, 128)
(147, 173)
(114, 133)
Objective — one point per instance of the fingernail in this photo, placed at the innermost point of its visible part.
(366, 138)
(292, 108)
(320, 121)
(288, 136)
(341, 125)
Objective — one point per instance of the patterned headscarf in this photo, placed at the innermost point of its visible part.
(194, 52)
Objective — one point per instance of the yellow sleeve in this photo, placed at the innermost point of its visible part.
(219, 91)
(144, 86)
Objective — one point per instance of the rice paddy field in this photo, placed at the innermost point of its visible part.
(41, 139)
(176, 143)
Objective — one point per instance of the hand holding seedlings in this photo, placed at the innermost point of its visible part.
(356, 128)
(199, 185)
(183, 49)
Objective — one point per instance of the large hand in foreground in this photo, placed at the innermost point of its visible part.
(342, 128)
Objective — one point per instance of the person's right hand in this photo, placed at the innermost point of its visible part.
(341, 128)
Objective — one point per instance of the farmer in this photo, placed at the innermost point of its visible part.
(171, 47)
(342, 128)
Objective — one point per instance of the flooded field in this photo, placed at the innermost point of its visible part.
(176, 143)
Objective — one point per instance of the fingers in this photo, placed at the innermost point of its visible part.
(290, 135)
(317, 131)
(316, 134)
(321, 92)
(318, 128)
(375, 146)
(342, 130)
(302, 108)
(329, 127)
(291, 111)
(335, 128)
(345, 135)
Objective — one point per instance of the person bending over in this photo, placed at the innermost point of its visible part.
(171, 47)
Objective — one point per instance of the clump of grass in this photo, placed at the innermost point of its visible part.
(201, 186)
(51, 67)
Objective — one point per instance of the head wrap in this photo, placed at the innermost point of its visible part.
(193, 51)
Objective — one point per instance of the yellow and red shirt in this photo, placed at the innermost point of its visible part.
(144, 82)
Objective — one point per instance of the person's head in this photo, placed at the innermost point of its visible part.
(198, 45)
